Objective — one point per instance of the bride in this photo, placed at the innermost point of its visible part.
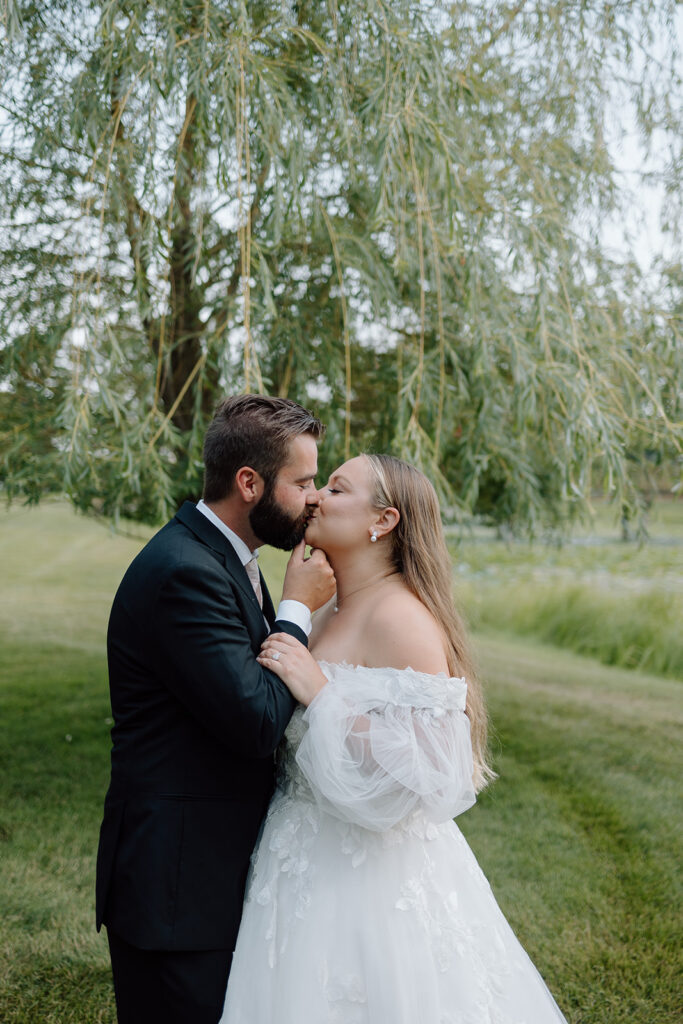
(365, 904)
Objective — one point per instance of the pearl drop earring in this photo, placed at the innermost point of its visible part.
(373, 538)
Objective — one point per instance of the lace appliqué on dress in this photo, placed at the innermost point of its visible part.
(291, 826)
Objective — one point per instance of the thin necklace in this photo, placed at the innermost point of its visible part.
(365, 586)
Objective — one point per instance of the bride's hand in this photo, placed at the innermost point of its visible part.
(294, 664)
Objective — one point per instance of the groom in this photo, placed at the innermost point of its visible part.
(196, 718)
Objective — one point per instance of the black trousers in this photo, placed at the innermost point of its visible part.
(167, 987)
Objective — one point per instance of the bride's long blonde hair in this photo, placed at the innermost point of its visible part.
(420, 554)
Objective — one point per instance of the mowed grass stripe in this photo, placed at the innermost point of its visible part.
(585, 863)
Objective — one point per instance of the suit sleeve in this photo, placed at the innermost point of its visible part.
(208, 662)
(285, 626)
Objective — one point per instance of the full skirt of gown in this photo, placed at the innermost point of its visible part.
(365, 905)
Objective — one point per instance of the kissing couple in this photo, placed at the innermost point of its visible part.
(282, 790)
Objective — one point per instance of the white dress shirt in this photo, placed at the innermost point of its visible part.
(290, 611)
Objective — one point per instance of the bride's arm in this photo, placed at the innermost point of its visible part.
(371, 754)
(294, 664)
(383, 743)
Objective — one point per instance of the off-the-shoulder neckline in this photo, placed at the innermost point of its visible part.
(441, 676)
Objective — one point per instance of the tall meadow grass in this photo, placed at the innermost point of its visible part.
(633, 630)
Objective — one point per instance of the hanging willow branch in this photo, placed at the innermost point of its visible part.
(388, 212)
(345, 327)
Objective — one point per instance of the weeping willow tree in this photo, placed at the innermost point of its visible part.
(389, 211)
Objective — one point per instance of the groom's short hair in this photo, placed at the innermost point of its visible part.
(255, 431)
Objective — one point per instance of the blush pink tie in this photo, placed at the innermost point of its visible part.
(254, 578)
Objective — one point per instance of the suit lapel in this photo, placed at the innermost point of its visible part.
(206, 532)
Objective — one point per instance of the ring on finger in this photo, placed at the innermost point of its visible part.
(275, 655)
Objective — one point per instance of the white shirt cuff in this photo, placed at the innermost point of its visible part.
(296, 612)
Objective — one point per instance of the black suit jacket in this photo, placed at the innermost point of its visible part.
(196, 723)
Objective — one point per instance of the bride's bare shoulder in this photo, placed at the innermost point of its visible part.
(401, 632)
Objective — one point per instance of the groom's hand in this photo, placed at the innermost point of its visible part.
(309, 580)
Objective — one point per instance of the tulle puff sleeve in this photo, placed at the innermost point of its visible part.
(383, 743)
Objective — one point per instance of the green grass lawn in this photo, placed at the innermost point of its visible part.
(579, 836)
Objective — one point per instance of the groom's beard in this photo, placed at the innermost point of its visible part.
(272, 524)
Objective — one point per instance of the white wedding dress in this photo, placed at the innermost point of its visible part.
(365, 905)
